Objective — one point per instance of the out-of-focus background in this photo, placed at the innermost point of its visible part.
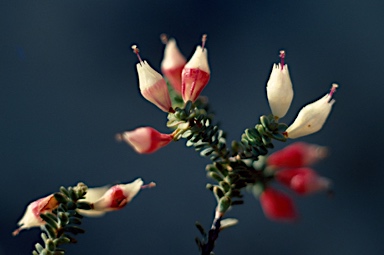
(68, 84)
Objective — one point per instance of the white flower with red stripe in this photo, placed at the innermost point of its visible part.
(152, 84)
(196, 73)
(32, 217)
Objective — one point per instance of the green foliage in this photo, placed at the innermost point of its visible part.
(63, 223)
(233, 168)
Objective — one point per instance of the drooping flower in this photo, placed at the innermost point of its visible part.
(297, 155)
(279, 88)
(173, 63)
(152, 85)
(32, 217)
(145, 139)
(303, 181)
(277, 206)
(106, 199)
(312, 117)
(196, 74)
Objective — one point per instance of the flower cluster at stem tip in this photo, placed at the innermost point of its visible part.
(186, 80)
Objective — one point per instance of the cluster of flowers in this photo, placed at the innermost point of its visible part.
(102, 199)
(291, 168)
(189, 78)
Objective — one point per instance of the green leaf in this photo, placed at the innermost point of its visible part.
(61, 240)
(74, 230)
(39, 247)
(60, 197)
(224, 204)
(49, 219)
(50, 245)
(83, 205)
(51, 231)
(201, 229)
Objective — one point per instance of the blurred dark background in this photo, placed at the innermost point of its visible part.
(68, 84)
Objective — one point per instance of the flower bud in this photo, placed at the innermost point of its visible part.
(279, 89)
(173, 64)
(152, 85)
(303, 181)
(145, 139)
(195, 75)
(297, 155)
(312, 117)
(277, 206)
(32, 217)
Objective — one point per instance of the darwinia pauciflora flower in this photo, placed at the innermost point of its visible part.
(242, 164)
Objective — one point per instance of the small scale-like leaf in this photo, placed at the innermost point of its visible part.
(50, 245)
(72, 194)
(39, 247)
(83, 205)
(51, 231)
(61, 240)
(74, 230)
(64, 191)
(60, 197)
(74, 220)
(215, 176)
(49, 219)
(201, 228)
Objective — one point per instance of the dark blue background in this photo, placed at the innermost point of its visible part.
(68, 84)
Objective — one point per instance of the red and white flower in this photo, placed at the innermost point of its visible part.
(173, 63)
(106, 199)
(32, 217)
(196, 74)
(145, 139)
(152, 85)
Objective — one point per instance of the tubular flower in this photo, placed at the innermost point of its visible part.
(279, 88)
(145, 139)
(104, 199)
(152, 85)
(303, 181)
(312, 117)
(297, 155)
(173, 63)
(31, 216)
(196, 74)
(277, 206)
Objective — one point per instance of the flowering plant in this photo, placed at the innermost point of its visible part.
(234, 168)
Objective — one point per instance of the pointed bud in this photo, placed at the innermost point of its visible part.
(152, 85)
(196, 74)
(277, 206)
(145, 139)
(297, 155)
(312, 117)
(173, 63)
(279, 88)
(303, 181)
(32, 217)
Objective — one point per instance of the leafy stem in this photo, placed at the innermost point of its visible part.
(63, 222)
(234, 167)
